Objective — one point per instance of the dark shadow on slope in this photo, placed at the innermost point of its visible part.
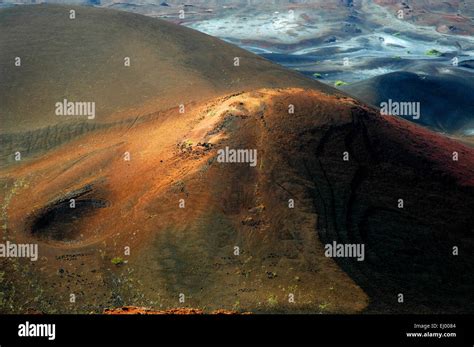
(408, 250)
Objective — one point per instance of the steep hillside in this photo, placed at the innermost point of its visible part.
(83, 60)
(188, 246)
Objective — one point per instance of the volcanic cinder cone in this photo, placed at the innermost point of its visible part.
(444, 94)
(159, 221)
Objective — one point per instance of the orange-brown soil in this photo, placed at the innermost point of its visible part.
(176, 250)
(144, 310)
(191, 250)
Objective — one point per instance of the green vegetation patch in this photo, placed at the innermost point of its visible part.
(433, 53)
(340, 83)
(117, 261)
